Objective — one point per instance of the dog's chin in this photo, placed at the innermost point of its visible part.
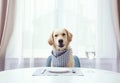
(60, 47)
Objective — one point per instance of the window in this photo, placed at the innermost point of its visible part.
(35, 20)
(41, 16)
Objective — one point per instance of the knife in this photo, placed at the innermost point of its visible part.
(43, 71)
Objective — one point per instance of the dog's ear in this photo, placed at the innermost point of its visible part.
(69, 35)
(50, 40)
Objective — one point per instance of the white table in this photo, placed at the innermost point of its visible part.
(90, 76)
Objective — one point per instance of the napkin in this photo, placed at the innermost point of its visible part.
(63, 72)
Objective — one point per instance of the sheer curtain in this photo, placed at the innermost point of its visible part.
(106, 41)
(33, 21)
(90, 21)
(106, 46)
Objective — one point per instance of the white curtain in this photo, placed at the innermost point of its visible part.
(29, 38)
(106, 40)
(106, 46)
(90, 21)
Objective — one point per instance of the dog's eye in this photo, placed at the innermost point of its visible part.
(63, 34)
(56, 35)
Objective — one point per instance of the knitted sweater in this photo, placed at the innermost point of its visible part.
(60, 58)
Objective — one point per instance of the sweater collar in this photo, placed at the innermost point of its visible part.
(60, 53)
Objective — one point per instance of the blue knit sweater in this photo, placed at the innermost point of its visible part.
(60, 58)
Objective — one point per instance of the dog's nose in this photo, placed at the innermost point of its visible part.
(60, 41)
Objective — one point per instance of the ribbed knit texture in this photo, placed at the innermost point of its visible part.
(60, 58)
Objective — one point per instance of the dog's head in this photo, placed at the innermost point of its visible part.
(60, 39)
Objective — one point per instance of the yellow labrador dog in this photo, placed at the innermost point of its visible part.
(61, 53)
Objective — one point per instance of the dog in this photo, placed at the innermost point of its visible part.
(62, 53)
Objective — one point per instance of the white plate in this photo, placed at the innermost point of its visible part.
(59, 70)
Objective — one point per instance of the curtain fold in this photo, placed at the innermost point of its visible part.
(119, 12)
(6, 27)
(118, 6)
(116, 20)
(2, 17)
